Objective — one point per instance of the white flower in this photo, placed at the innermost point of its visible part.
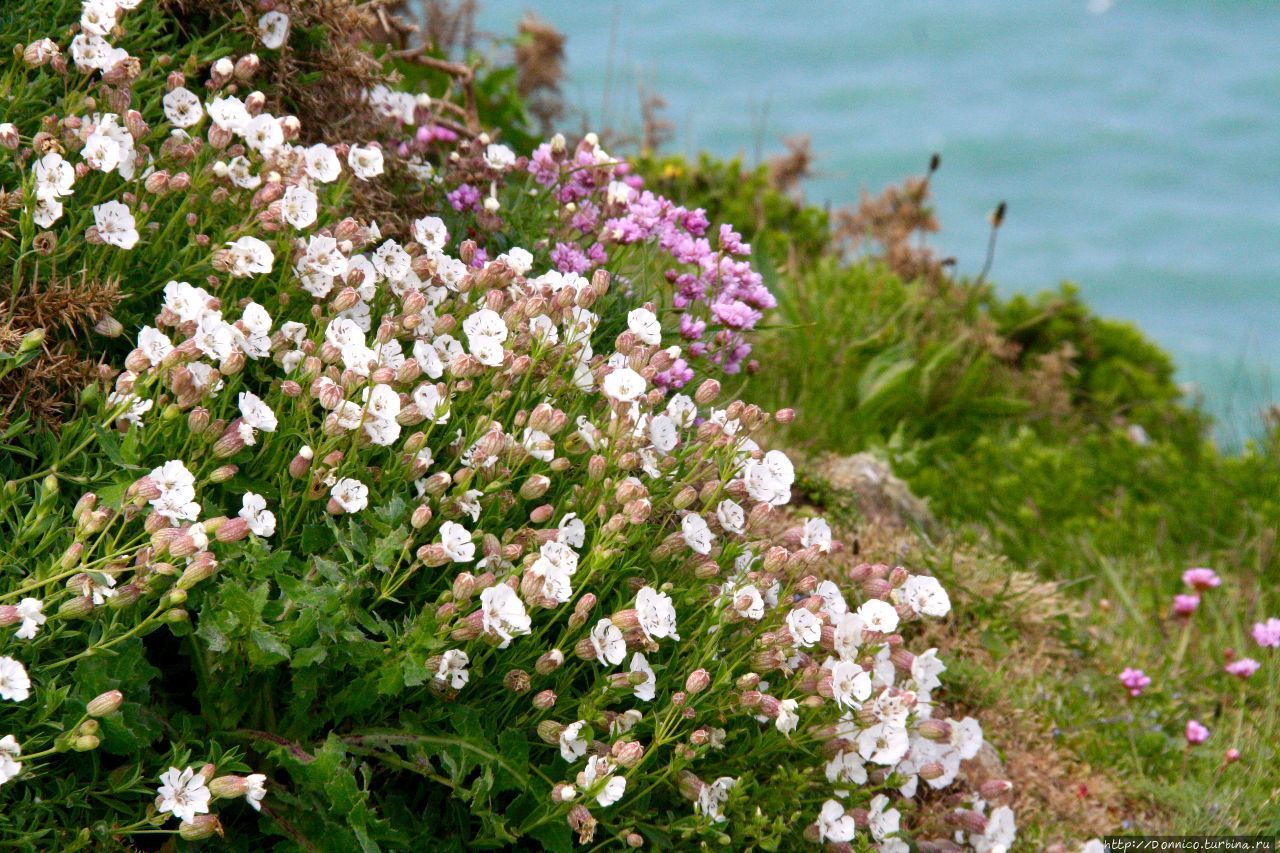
(256, 413)
(299, 206)
(556, 565)
(731, 516)
(770, 479)
(154, 344)
(1001, 832)
(805, 627)
(884, 821)
(29, 610)
(748, 603)
(183, 794)
(249, 256)
(457, 543)
(663, 433)
(433, 406)
(846, 767)
(487, 351)
(453, 669)
(187, 302)
(879, 616)
(619, 192)
(264, 134)
(644, 324)
(599, 768)
(46, 212)
(365, 161)
(256, 791)
(15, 686)
(100, 152)
(834, 824)
(966, 737)
(572, 744)
(485, 323)
(351, 495)
(97, 17)
(850, 684)
(624, 385)
(182, 108)
(572, 531)
(273, 29)
(925, 669)
(883, 743)
(656, 613)
(253, 509)
(499, 157)
(848, 637)
(430, 232)
(697, 535)
(229, 113)
(787, 719)
(925, 596)
(503, 613)
(382, 402)
(608, 643)
(520, 260)
(712, 797)
(647, 689)
(10, 752)
(115, 224)
(816, 532)
(322, 163)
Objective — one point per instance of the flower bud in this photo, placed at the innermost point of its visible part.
(995, 788)
(935, 730)
(74, 608)
(563, 792)
(223, 473)
(535, 487)
(105, 703)
(707, 392)
(229, 787)
(545, 701)
(627, 753)
(200, 827)
(971, 821)
(549, 662)
(517, 681)
(85, 743)
(9, 137)
(697, 681)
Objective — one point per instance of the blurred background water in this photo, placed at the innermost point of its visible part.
(1136, 142)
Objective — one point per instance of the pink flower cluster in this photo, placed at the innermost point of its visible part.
(1135, 681)
(718, 295)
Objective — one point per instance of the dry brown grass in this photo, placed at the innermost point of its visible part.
(66, 308)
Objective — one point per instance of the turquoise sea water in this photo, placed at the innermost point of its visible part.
(1136, 143)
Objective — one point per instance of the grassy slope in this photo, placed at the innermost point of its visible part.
(1018, 420)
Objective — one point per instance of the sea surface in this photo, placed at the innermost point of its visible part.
(1137, 142)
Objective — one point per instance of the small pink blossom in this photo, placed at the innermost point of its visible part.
(1196, 733)
(1232, 756)
(1135, 681)
(1267, 634)
(1201, 579)
(1242, 668)
(1185, 605)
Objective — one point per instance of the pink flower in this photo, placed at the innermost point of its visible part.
(1232, 756)
(1243, 668)
(1267, 634)
(1135, 680)
(1196, 733)
(1201, 579)
(1185, 605)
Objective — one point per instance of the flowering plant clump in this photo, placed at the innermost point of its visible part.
(377, 526)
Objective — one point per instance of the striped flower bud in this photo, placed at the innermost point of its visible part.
(105, 704)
